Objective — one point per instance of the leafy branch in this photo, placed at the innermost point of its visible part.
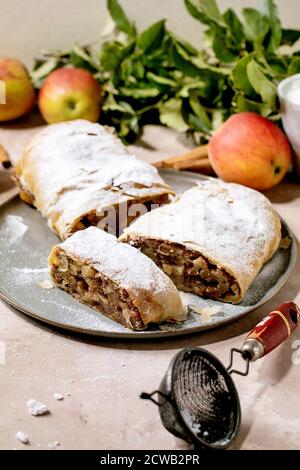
(155, 77)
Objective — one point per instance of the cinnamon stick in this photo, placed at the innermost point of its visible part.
(4, 158)
(199, 166)
(180, 161)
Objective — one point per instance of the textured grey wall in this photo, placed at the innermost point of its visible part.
(27, 26)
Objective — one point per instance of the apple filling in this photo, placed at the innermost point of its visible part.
(94, 289)
(189, 270)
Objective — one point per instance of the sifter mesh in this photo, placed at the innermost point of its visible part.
(205, 397)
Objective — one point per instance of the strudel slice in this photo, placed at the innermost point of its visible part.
(115, 279)
(78, 174)
(212, 241)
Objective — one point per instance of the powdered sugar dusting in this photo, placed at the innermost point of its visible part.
(206, 312)
(78, 167)
(14, 227)
(233, 226)
(125, 265)
(23, 276)
(32, 271)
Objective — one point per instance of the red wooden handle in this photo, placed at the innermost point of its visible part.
(276, 327)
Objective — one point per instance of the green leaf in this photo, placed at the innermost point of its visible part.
(195, 66)
(118, 15)
(45, 69)
(189, 48)
(277, 66)
(182, 63)
(170, 113)
(223, 53)
(161, 80)
(290, 36)
(111, 104)
(211, 10)
(196, 12)
(200, 112)
(261, 84)
(79, 57)
(244, 104)
(85, 55)
(240, 76)
(196, 124)
(256, 26)
(152, 37)
(234, 26)
(192, 84)
(212, 71)
(140, 93)
(270, 11)
(294, 66)
(113, 53)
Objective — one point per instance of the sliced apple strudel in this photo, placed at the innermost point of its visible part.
(115, 279)
(213, 240)
(78, 174)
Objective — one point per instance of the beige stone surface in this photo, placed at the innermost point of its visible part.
(101, 379)
(29, 26)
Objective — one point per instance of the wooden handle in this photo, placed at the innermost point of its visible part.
(276, 327)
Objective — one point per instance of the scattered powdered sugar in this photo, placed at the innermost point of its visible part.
(14, 227)
(47, 284)
(31, 271)
(206, 312)
(22, 437)
(53, 445)
(36, 408)
(58, 396)
(24, 276)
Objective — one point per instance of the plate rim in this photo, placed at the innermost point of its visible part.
(158, 334)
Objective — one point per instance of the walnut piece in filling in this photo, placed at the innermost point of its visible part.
(190, 271)
(95, 290)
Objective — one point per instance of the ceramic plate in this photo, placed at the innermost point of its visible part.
(25, 242)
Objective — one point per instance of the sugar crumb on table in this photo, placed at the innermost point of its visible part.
(36, 408)
(22, 437)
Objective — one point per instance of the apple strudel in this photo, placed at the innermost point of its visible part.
(115, 279)
(213, 240)
(78, 174)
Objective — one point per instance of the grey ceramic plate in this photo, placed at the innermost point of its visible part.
(25, 242)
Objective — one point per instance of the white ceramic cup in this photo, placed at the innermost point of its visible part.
(291, 116)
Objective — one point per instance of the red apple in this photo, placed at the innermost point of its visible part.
(18, 92)
(70, 93)
(250, 150)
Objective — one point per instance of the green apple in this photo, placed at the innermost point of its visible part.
(68, 94)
